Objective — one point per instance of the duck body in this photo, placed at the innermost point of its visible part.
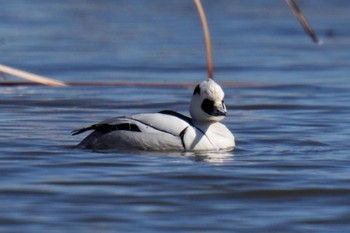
(166, 130)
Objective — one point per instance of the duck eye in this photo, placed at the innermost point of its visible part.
(207, 106)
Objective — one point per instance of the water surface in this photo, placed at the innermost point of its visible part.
(288, 102)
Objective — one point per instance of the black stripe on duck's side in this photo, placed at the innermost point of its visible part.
(185, 118)
(178, 115)
(182, 135)
(106, 128)
(125, 126)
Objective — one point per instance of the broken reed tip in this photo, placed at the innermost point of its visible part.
(303, 21)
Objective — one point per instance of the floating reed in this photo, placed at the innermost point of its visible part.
(31, 77)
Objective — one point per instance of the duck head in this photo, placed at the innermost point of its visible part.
(207, 103)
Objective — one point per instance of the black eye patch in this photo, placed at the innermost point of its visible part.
(208, 106)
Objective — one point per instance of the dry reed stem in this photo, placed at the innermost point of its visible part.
(31, 77)
(303, 21)
(207, 38)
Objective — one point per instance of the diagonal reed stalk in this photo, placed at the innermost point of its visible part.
(31, 77)
(303, 21)
(207, 38)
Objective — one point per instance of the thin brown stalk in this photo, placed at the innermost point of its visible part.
(31, 77)
(303, 21)
(207, 38)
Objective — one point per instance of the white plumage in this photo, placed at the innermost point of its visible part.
(168, 130)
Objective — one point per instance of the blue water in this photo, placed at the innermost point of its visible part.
(288, 102)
